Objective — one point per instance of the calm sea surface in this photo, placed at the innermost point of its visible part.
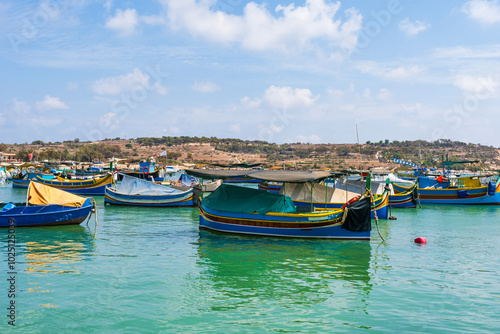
(147, 270)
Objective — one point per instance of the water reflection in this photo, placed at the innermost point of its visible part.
(48, 250)
(302, 272)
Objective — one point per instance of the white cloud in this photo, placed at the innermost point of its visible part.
(251, 103)
(290, 28)
(152, 19)
(128, 83)
(162, 90)
(288, 97)
(486, 12)
(20, 108)
(107, 5)
(413, 28)
(50, 103)
(124, 21)
(403, 72)
(386, 72)
(110, 121)
(367, 93)
(205, 87)
(460, 52)
(71, 86)
(236, 128)
(480, 87)
(384, 94)
(335, 93)
(313, 139)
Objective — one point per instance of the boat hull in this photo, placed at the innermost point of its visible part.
(241, 180)
(45, 215)
(93, 187)
(322, 226)
(183, 199)
(407, 199)
(473, 196)
(155, 175)
(23, 184)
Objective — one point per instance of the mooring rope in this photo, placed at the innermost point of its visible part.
(93, 212)
(375, 214)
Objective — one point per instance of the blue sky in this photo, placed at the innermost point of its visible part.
(281, 71)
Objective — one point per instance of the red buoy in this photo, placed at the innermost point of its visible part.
(421, 240)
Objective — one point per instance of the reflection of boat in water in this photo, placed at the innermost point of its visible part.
(295, 271)
(49, 252)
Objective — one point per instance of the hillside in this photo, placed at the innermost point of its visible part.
(227, 151)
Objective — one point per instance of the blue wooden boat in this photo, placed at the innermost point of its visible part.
(139, 192)
(405, 199)
(23, 182)
(326, 197)
(46, 206)
(464, 190)
(320, 196)
(94, 187)
(234, 209)
(146, 170)
(241, 180)
(242, 210)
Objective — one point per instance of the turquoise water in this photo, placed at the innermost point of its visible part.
(151, 270)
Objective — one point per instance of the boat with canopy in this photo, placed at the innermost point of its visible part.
(242, 210)
(477, 189)
(140, 192)
(46, 206)
(94, 187)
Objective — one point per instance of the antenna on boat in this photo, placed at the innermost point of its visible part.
(359, 148)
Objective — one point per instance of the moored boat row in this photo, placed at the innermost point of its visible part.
(287, 204)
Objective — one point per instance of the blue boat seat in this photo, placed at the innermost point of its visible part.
(492, 186)
(8, 207)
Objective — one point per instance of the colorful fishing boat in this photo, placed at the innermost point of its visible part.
(470, 190)
(242, 210)
(139, 192)
(46, 206)
(146, 171)
(23, 180)
(405, 199)
(273, 187)
(383, 183)
(241, 180)
(304, 194)
(320, 196)
(94, 187)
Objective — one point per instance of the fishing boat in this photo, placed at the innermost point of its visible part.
(46, 206)
(241, 180)
(319, 195)
(94, 187)
(404, 199)
(243, 210)
(146, 171)
(140, 192)
(380, 184)
(469, 190)
(23, 179)
(193, 182)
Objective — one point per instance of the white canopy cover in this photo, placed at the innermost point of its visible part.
(134, 186)
(302, 192)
